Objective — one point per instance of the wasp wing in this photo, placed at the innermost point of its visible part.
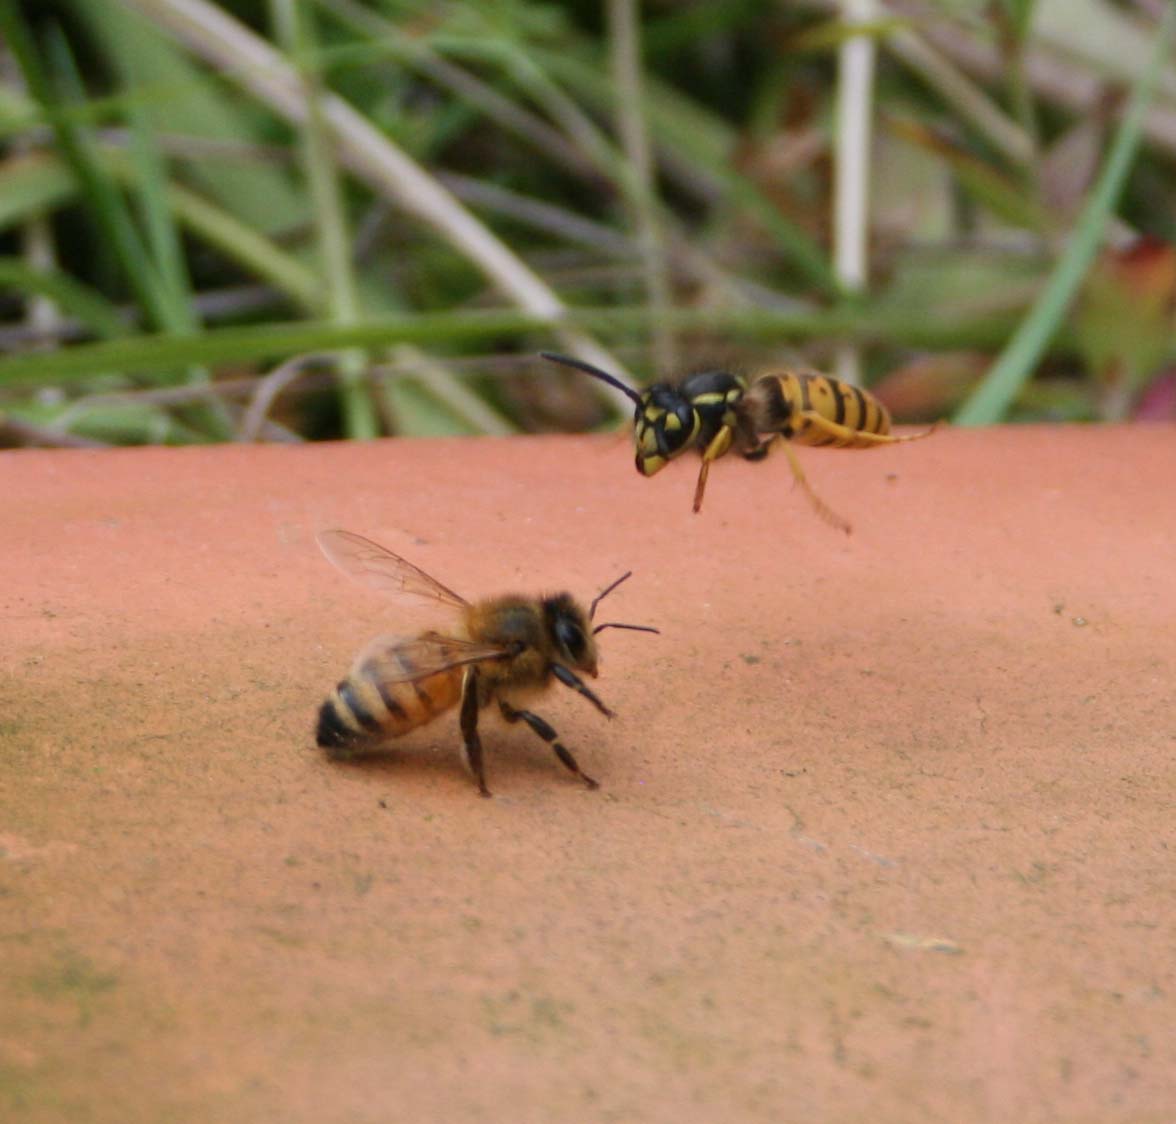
(402, 659)
(379, 568)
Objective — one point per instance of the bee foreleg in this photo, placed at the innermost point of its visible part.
(823, 510)
(719, 444)
(471, 742)
(571, 679)
(548, 734)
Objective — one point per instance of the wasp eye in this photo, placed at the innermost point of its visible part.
(675, 428)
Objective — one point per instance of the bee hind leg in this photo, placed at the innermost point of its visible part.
(548, 734)
(471, 742)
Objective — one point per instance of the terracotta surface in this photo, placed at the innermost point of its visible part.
(885, 829)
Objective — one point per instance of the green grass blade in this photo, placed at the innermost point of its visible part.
(35, 184)
(175, 290)
(150, 186)
(247, 247)
(71, 297)
(1016, 363)
(270, 342)
(31, 185)
(681, 127)
(297, 33)
(1003, 195)
(108, 206)
(183, 99)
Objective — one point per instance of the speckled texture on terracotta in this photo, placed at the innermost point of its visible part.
(885, 829)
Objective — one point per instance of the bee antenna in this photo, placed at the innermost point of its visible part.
(632, 627)
(596, 373)
(605, 592)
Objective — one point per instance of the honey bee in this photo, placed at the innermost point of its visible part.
(713, 410)
(500, 650)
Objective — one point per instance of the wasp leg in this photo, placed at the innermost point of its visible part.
(571, 679)
(719, 444)
(548, 734)
(822, 509)
(753, 449)
(471, 742)
(843, 435)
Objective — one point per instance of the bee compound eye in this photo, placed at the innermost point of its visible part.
(571, 638)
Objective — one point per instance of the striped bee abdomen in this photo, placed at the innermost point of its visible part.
(380, 700)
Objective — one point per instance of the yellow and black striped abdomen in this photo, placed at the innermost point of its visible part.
(380, 700)
(785, 403)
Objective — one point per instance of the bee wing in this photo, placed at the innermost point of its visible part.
(399, 659)
(375, 566)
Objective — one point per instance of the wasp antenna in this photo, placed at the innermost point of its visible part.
(595, 372)
(631, 627)
(606, 591)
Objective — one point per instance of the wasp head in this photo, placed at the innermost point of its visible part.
(664, 424)
(668, 418)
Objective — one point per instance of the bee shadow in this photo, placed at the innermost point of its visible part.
(429, 762)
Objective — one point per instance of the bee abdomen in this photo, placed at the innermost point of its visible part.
(379, 701)
(350, 716)
(334, 734)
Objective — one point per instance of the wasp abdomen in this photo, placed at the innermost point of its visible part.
(784, 403)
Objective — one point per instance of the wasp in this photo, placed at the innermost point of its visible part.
(500, 650)
(715, 410)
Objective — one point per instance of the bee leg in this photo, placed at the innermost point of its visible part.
(719, 444)
(548, 734)
(471, 742)
(571, 679)
(822, 509)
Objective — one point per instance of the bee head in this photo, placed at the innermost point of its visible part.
(664, 424)
(571, 634)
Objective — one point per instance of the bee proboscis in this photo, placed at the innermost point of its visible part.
(715, 410)
(498, 650)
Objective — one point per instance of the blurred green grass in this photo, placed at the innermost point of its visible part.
(293, 220)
